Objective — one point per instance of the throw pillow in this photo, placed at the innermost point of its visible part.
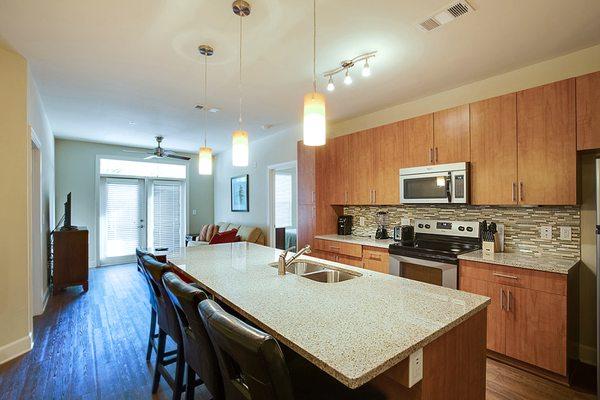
(202, 236)
(211, 231)
(224, 237)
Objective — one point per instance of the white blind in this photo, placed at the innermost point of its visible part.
(283, 200)
(122, 216)
(167, 219)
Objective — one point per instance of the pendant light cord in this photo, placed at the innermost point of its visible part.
(314, 46)
(240, 77)
(205, 105)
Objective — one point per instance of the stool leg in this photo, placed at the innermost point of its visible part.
(191, 384)
(151, 334)
(160, 355)
(179, 372)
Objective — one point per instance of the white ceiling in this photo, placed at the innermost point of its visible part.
(101, 64)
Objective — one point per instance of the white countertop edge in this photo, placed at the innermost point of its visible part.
(556, 265)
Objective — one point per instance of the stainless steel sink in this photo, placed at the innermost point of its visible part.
(318, 272)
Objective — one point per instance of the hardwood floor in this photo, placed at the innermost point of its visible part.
(92, 346)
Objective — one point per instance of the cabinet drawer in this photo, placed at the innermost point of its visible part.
(376, 259)
(349, 249)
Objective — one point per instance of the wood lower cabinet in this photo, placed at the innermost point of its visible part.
(376, 259)
(451, 135)
(417, 145)
(371, 258)
(547, 144)
(527, 319)
(588, 111)
(494, 151)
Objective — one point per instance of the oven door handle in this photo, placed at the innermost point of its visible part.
(449, 188)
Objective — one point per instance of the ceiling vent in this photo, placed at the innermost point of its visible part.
(449, 13)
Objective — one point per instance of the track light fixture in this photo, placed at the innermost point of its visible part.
(345, 67)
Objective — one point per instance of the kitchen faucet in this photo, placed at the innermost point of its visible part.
(282, 263)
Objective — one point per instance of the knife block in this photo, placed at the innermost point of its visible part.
(488, 247)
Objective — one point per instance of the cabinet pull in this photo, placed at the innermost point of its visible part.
(431, 155)
(374, 196)
(313, 197)
(509, 299)
(374, 258)
(505, 276)
(502, 298)
(514, 192)
(334, 248)
(521, 197)
(436, 154)
(345, 197)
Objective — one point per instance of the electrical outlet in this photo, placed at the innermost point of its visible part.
(546, 232)
(415, 367)
(565, 233)
(361, 221)
(404, 221)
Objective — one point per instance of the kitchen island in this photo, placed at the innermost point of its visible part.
(362, 330)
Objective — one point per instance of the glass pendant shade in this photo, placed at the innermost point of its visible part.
(205, 161)
(240, 149)
(315, 133)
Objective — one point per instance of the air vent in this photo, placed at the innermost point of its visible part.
(445, 15)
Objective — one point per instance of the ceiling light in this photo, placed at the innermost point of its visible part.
(315, 128)
(348, 78)
(330, 85)
(205, 152)
(239, 150)
(366, 71)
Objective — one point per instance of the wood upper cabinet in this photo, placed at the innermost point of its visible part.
(451, 135)
(387, 150)
(588, 111)
(360, 167)
(306, 174)
(417, 143)
(494, 151)
(340, 190)
(547, 148)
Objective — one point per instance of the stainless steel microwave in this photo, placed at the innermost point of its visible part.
(435, 184)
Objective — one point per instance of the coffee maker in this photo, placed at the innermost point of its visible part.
(344, 225)
(382, 223)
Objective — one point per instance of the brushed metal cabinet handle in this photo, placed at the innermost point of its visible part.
(521, 196)
(509, 299)
(431, 155)
(313, 196)
(501, 298)
(505, 276)
(514, 192)
(436, 154)
(374, 196)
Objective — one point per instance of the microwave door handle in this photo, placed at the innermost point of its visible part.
(448, 188)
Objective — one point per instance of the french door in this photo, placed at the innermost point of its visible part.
(146, 213)
(122, 219)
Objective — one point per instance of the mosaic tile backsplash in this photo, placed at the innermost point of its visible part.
(521, 224)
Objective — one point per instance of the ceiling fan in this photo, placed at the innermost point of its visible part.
(159, 152)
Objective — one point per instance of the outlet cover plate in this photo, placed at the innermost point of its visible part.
(546, 232)
(565, 233)
(415, 369)
(361, 221)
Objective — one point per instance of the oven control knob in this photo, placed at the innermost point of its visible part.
(420, 225)
(469, 229)
(427, 226)
(461, 228)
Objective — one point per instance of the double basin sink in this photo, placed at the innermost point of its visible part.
(318, 272)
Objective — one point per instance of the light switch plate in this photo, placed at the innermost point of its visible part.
(405, 221)
(546, 232)
(565, 233)
(194, 212)
(415, 369)
(361, 221)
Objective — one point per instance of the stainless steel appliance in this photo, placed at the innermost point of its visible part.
(344, 226)
(433, 256)
(405, 234)
(441, 184)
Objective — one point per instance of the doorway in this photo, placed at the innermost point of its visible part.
(283, 200)
(38, 266)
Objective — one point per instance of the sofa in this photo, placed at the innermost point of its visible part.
(246, 233)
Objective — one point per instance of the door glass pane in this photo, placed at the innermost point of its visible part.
(283, 200)
(425, 188)
(167, 215)
(110, 166)
(122, 217)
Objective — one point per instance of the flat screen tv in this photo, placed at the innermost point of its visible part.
(67, 224)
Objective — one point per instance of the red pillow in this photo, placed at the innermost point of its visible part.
(224, 237)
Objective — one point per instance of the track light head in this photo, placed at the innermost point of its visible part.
(366, 71)
(330, 85)
(348, 78)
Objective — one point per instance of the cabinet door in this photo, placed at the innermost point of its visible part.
(547, 149)
(588, 111)
(360, 146)
(306, 225)
(495, 312)
(494, 151)
(387, 158)
(340, 190)
(354, 261)
(536, 327)
(306, 174)
(451, 135)
(324, 173)
(417, 149)
(376, 260)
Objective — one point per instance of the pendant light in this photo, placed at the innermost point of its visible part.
(315, 133)
(239, 149)
(205, 153)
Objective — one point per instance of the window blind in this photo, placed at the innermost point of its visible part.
(283, 200)
(167, 218)
(122, 216)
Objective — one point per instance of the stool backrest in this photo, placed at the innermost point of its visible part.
(251, 361)
(138, 255)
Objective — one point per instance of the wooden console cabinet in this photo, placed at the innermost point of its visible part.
(70, 255)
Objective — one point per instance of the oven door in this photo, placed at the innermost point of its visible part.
(434, 272)
(434, 187)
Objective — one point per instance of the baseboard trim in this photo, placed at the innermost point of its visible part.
(15, 349)
(587, 354)
(46, 298)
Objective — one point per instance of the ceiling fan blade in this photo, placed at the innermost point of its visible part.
(177, 156)
(136, 151)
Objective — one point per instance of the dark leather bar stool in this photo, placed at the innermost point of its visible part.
(167, 326)
(253, 365)
(199, 352)
(152, 336)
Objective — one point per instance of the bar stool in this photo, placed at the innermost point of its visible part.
(152, 335)
(167, 326)
(253, 365)
(199, 352)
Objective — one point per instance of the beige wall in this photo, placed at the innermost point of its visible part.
(15, 319)
(76, 173)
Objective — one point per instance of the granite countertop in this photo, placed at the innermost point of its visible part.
(362, 240)
(557, 265)
(354, 330)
